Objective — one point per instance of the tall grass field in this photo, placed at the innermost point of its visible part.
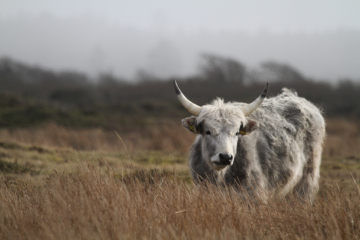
(62, 183)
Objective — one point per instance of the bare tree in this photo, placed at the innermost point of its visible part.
(220, 69)
(281, 72)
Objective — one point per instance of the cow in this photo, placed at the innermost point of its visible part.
(270, 147)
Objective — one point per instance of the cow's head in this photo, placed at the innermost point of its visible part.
(220, 125)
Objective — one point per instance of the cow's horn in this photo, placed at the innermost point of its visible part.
(191, 107)
(248, 109)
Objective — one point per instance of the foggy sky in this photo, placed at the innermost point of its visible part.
(319, 38)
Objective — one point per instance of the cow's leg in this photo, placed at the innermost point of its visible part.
(308, 186)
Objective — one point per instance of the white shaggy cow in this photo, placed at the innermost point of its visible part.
(270, 146)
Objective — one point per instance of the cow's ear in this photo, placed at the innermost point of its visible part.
(250, 126)
(190, 124)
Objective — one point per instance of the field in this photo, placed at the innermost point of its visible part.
(62, 183)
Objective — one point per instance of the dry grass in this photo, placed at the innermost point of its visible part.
(91, 204)
(343, 138)
(166, 137)
(52, 188)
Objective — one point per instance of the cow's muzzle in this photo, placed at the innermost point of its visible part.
(225, 159)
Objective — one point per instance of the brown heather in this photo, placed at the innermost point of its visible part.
(98, 199)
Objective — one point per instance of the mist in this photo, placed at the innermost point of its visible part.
(93, 44)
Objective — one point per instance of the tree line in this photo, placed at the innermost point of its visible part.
(217, 77)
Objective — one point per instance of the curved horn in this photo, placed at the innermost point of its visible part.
(248, 109)
(191, 107)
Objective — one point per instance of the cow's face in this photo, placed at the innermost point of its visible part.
(219, 131)
(220, 126)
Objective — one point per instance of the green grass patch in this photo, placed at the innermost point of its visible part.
(15, 168)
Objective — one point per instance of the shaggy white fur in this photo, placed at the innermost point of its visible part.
(281, 154)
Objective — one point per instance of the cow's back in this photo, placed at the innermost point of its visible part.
(289, 144)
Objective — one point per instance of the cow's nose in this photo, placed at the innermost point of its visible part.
(225, 158)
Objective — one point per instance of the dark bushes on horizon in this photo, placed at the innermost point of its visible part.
(71, 90)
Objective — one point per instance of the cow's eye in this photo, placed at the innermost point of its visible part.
(237, 133)
(208, 133)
